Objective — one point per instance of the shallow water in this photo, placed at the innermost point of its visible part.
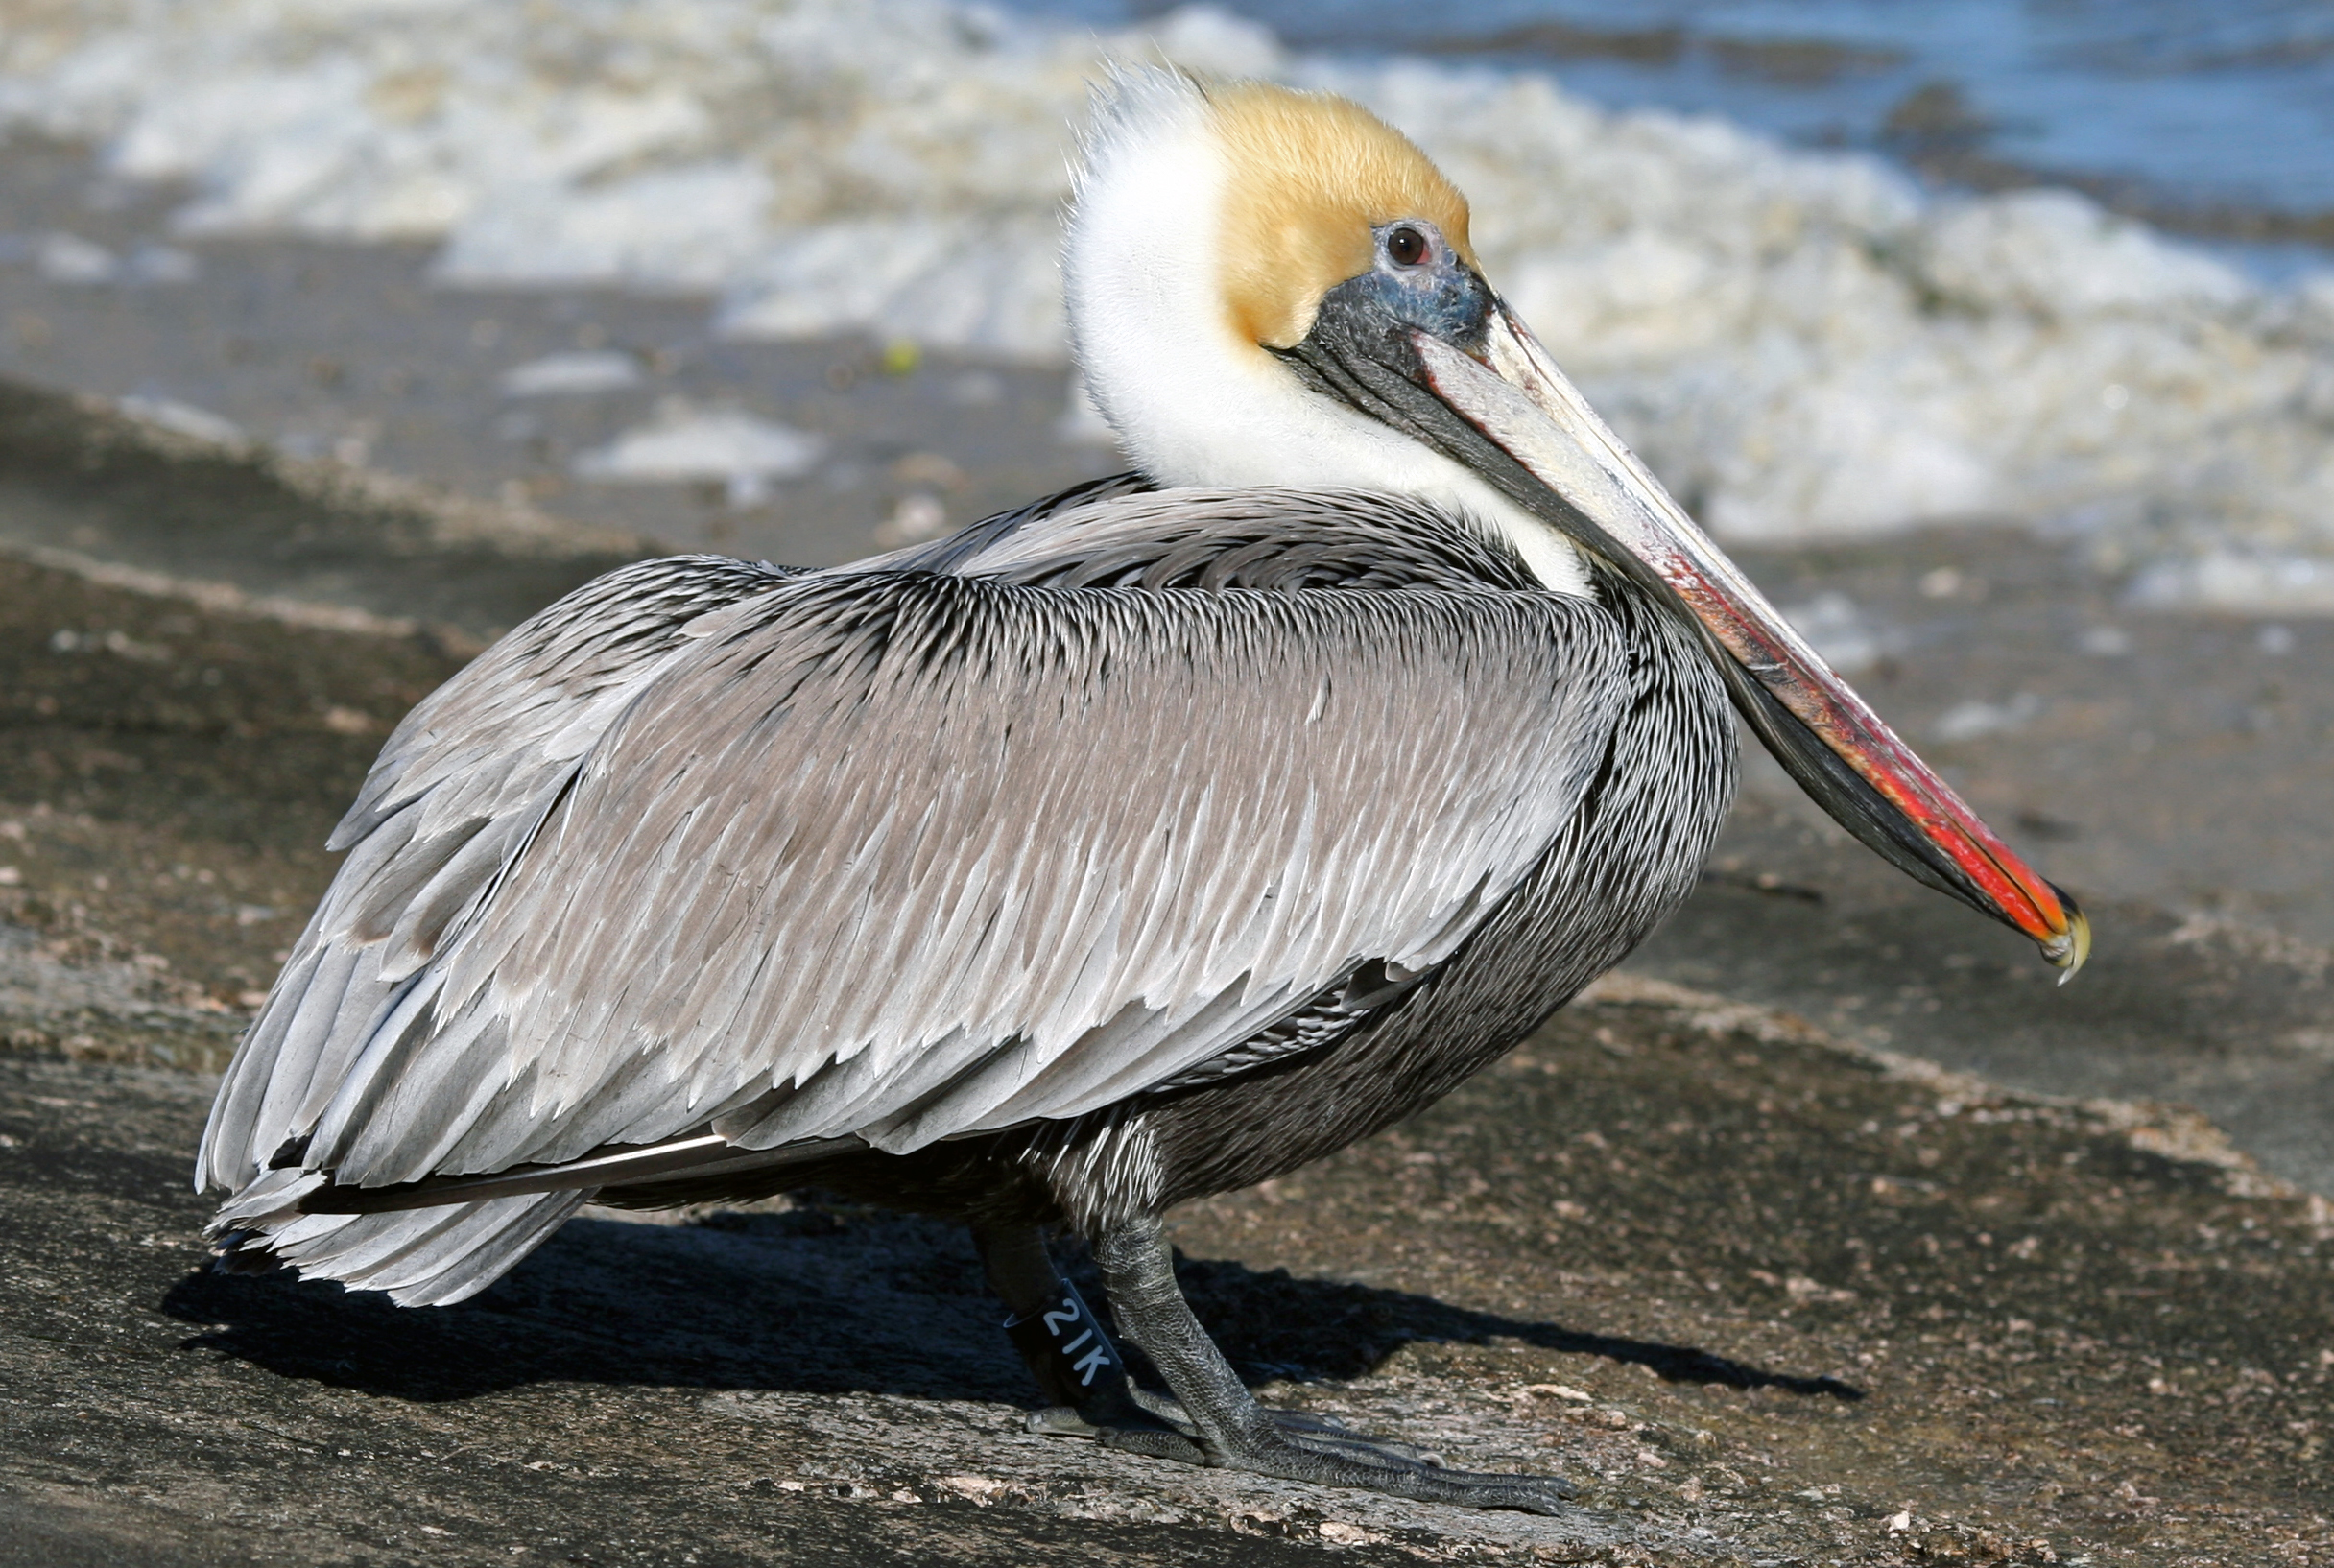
(1806, 344)
(2224, 111)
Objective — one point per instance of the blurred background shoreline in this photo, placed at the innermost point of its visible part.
(1810, 342)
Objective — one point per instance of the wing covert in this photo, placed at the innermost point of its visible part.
(903, 856)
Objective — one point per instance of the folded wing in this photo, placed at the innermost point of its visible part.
(901, 856)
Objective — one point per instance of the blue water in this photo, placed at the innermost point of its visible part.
(2165, 106)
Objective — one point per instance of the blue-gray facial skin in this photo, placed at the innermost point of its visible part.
(1421, 282)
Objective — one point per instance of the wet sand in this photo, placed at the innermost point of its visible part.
(334, 352)
(1762, 1290)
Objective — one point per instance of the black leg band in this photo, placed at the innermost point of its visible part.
(1067, 1349)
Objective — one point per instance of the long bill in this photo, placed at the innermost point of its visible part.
(1576, 473)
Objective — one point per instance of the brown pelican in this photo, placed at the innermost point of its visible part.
(1144, 843)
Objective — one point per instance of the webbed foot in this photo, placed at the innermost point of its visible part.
(1214, 1414)
(1211, 1419)
(1152, 1423)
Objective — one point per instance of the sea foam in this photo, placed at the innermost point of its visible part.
(1804, 346)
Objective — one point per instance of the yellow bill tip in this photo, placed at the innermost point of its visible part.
(2068, 949)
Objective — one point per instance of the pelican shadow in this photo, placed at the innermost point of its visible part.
(820, 1301)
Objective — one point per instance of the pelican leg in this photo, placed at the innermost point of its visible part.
(1071, 1356)
(1234, 1432)
(1068, 1351)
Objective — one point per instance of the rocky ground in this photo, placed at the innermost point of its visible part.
(1766, 1299)
(1828, 1231)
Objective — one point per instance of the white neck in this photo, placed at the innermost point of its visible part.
(1191, 402)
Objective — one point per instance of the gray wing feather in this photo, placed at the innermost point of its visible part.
(905, 856)
(428, 1257)
(457, 789)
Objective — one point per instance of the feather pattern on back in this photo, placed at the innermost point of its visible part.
(903, 855)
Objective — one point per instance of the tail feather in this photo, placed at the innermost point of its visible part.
(420, 1258)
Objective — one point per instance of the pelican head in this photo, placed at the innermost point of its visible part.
(1270, 287)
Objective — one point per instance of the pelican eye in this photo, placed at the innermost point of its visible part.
(1406, 246)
